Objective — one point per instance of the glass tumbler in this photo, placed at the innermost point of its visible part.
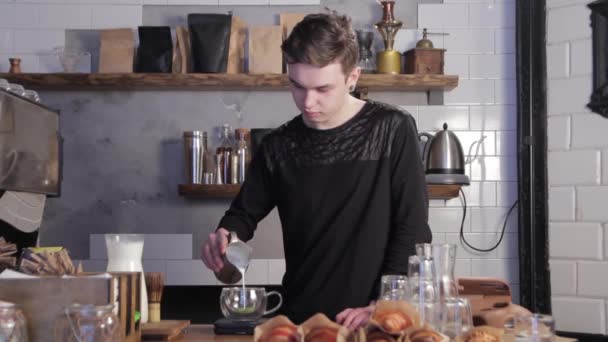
(394, 287)
(13, 326)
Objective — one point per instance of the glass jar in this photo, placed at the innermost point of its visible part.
(13, 325)
(88, 323)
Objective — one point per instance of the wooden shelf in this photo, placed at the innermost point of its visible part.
(444, 192)
(61, 81)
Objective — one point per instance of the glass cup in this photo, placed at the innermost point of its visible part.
(32, 95)
(246, 304)
(4, 84)
(456, 317)
(535, 327)
(13, 326)
(16, 89)
(394, 287)
(88, 323)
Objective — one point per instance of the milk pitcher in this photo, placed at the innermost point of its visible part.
(236, 260)
(124, 255)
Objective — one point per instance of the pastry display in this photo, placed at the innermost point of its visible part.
(278, 329)
(322, 334)
(394, 321)
(426, 335)
(394, 317)
(319, 328)
(482, 334)
(380, 336)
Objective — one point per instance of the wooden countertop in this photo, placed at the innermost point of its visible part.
(197, 333)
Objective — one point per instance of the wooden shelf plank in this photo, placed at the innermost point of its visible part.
(133, 81)
(444, 192)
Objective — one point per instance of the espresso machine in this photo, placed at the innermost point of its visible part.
(30, 166)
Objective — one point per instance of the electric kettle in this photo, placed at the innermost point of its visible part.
(443, 158)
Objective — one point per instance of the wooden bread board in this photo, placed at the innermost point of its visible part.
(163, 330)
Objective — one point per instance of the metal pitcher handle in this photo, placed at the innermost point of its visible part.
(233, 237)
(427, 145)
(266, 312)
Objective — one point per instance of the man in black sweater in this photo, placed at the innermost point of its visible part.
(346, 177)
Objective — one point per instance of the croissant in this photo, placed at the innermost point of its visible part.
(322, 334)
(425, 335)
(394, 321)
(281, 333)
(380, 336)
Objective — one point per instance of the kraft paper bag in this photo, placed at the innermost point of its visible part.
(117, 51)
(265, 55)
(182, 63)
(289, 21)
(236, 50)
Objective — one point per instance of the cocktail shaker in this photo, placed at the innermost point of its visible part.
(194, 156)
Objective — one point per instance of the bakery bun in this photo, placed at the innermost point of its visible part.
(281, 333)
(322, 334)
(481, 336)
(394, 321)
(425, 335)
(380, 336)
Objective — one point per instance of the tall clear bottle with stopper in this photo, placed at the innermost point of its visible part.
(236, 261)
(225, 149)
(242, 151)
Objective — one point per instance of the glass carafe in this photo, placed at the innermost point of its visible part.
(124, 255)
(444, 260)
(88, 323)
(365, 38)
(444, 256)
(13, 326)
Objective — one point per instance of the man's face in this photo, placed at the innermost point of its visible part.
(320, 93)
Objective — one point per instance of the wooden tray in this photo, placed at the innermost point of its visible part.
(163, 330)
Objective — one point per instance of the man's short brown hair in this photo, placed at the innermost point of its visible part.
(321, 39)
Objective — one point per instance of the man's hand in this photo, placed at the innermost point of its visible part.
(214, 248)
(355, 318)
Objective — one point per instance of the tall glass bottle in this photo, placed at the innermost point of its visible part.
(243, 152)
(225, 149)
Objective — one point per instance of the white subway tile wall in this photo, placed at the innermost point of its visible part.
(561, 204)
(575, 240)
(480, 49)
(558, 60)
(577, 168)
(563, 277)
(559, 124)
(593, 321)
(30, 29)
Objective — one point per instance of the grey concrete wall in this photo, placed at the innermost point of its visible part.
(123, 153)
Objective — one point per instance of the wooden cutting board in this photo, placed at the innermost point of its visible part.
(163, 330)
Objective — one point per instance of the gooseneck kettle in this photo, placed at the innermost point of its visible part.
(443, 158)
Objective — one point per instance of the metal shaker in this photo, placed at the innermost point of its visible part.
(193, 156)
(219, 170)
